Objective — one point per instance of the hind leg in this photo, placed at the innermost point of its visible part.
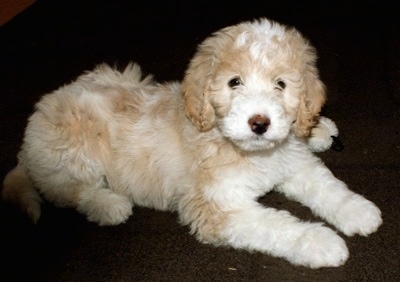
(94, 199)
(67, 154)
(69, 179)
(103, 206)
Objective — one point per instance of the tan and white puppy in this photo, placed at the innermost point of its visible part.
(208, 148)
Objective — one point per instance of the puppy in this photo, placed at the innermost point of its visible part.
(207, 148)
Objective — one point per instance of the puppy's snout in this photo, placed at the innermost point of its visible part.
(259, 124)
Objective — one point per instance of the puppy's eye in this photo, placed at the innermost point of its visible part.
(234, 82)
(280, 84)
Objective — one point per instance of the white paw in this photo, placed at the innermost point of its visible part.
(319, 247)
(106, 208)
(357, 215)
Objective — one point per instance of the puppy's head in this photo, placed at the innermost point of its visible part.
(256, 81)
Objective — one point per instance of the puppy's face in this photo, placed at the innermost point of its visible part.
(256, 82)
(255, 94)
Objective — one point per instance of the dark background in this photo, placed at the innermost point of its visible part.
(52, 42)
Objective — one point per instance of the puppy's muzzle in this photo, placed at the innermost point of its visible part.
(259, 124)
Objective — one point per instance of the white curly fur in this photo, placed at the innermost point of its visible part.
(208, 148)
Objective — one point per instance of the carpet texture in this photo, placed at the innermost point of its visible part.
(52, 42)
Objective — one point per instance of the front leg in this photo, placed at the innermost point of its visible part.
(316, 187)
(243, 223)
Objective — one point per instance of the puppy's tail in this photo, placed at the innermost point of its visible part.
(18, 190)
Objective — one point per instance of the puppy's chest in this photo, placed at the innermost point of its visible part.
(272, 171)
(259, 174)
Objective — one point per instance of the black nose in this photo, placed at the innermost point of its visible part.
(259, 124)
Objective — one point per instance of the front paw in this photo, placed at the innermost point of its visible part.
(320, 247)
(357, 215)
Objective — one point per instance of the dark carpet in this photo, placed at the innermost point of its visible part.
(52, 42)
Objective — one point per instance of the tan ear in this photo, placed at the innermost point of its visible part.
(312, 100)
(196, 88)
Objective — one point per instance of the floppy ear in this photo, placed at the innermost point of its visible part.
(312, 100)
(196, 88)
